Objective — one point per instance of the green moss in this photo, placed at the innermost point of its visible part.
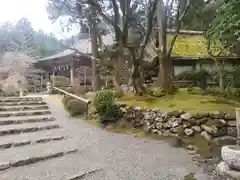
(180, 100)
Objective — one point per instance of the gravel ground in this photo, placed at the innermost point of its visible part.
(111, 156)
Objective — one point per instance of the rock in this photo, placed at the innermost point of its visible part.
(186, 116)
(167, 125)
(201, 121)
(232, 131)
(197, 129)
(230, 115)
(200, 115)
(232, 123)
(178, 129)
(159, 133)
(190, 147)
(211, 130)
(224, 170)
(152, 126)
(154, 131)
(224, 140)
(176, 113)
(146, 126)
(147, 116)
(159, 125)
(188, 132)
(166, 133)
(223, 122)
(217, 115)
(207, 136)
(186, 124)
(231, 155)
(159, 119)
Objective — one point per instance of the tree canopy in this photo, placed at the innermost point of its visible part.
(21, 37)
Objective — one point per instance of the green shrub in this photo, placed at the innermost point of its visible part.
(104, 104)
(61, 81)
(76, 107)
(103, 101)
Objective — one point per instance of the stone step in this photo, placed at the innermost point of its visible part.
(25, 119)
(23, 113)
(24, 155)
(32, 138)
(28, 103)
(68, 167)
(18, 99)
(23, 108)
(26, 128)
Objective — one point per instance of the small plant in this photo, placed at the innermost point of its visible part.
(104, 104)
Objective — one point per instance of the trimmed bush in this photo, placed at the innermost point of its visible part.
(104, 104)
(76, 107)
(61, 81)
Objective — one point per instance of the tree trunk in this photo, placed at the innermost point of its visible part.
(165, 73)
(95, 72)
(221, 76)
(116, 75)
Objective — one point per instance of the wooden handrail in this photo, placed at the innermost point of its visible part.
(72, 95)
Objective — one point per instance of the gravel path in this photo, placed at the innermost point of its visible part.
(111, 156)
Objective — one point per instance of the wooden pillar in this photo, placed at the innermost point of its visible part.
(72, 72)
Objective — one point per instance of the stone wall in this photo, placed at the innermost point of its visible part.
(217, 127)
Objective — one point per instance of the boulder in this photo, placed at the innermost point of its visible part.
(231, 115)
(176, 113)
(211, 130)
(159, 133)
(166, 133)
(186, 124)
(224, 170)
(200, 115)
(224, 140)
(217, 115)
(186, 116)
(223, 122)
(159, 125)
(178, 129)
(154, 131)
(201, 121)
(197, 129)
(159, 119)
(146, 126)
(232, 123)
(231, 155)
(232, 131)
(207, 136)
(188, 132)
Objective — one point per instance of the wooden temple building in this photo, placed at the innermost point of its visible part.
(75, 65)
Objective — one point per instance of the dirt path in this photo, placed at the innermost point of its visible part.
(107, 156)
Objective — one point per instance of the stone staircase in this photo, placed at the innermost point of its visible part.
(29, 133)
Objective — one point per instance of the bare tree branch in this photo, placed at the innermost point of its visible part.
(179, 19)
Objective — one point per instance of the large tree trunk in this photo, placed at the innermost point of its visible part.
(136, 74)
(220, 68)
(116, 75)
(95, 72)
(165, 73)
